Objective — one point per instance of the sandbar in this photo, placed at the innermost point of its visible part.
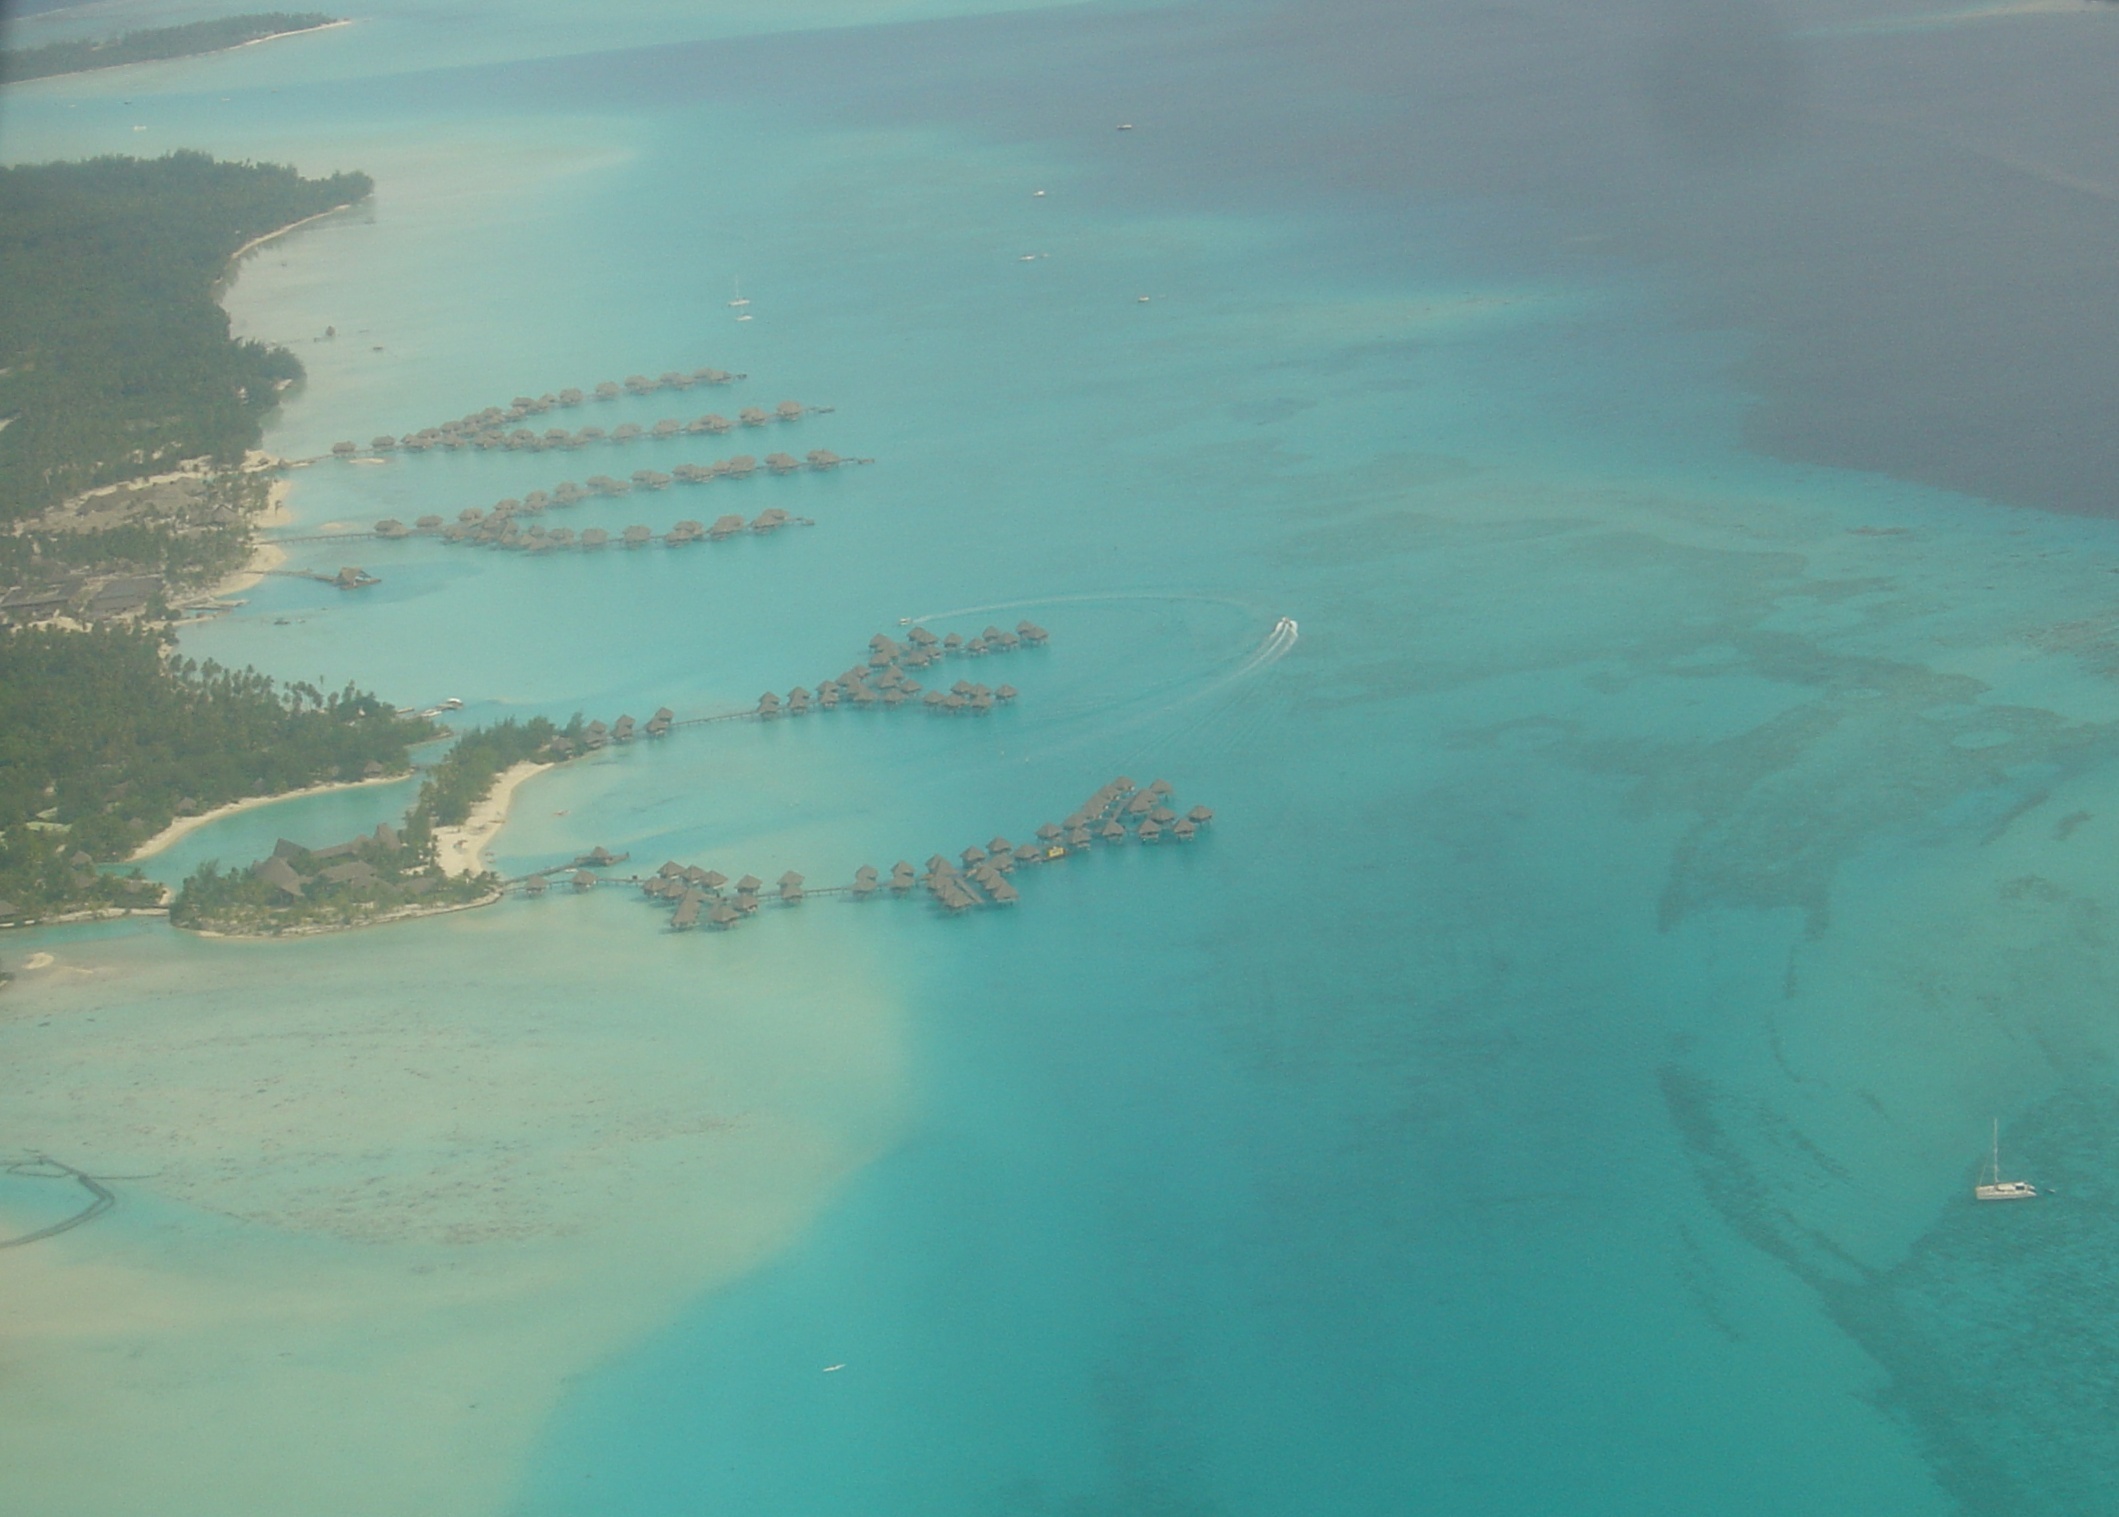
(462, 850)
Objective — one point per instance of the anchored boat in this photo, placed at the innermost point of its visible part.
(1992, 1187)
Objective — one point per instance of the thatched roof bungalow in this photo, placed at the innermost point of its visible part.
(789, 410)
(790, 887)
(687, 913)
(1199, 816)
(583, 880)
(751, 416)
(722, 915)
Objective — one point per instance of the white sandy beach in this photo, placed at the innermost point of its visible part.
(184, 826)
(462, 850)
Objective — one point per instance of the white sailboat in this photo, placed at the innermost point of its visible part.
(1992, 1187)
(739, 301)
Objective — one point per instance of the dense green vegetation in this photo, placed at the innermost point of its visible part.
(461, 780)
(342, 886)
(104, 739)
(115, 359)
(192, 543)
(151, 43)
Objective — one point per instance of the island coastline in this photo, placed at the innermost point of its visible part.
(461, 849)
(184, 826)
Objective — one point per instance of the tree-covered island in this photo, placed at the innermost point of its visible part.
(106, 737)
(128, 413)
(391, 874)
(154, 43)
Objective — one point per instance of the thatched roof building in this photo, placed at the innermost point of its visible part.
(583, 880)
(722, 915)
(1199, 816)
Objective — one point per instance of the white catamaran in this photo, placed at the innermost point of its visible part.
(1992, 1187)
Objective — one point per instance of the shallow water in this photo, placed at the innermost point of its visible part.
(1550, 1086)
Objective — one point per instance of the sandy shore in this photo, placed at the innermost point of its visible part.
(462, 850)
(263, 555)
(257, 242)
(184, 826)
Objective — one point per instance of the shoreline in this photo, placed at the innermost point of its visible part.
(257, 242)
(211, 52)
(319, 929)
(184, 826)
(461, 849)
(265, 555)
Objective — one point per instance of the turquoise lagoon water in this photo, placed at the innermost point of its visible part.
(1552, 1085)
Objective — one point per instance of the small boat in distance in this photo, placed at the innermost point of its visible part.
(1992, 1187)
(739, 301)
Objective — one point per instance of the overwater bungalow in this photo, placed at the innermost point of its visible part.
(651, 479)
(790, 887)
(712, 422)
(557, 437)
(1004, 693)
(936, 864)
(901, 876)
(724, 527)
(789, 410)
(952, 702)
(782, 463)
(999, 846)
(953, 643)
(639, 384)
(344, 449)
(956, 897)
(750, 884)
(798, 700)
(1162, 816)
(1027, 853)
(1184, 831)
(1141, 804)
(390, 526)
(570, 397)
(595, 537)
(769, 521)
(638, 536)
(1111, 832)
(670, 869)
(980, 704)
(722, 915)
(922, 637)
(625, 432)
(672, 380)
(1150, 830)
(713, 880)
(713, 376)
(599, 857)
(933, 700)
(972, 856)
(1199, 816)
(659, 723)
(751, 416)
(567, 493)
(822, 458)
(1160, 787)
(741, 466)
(686, 916)
(595, 735)
(583, 880)
(768, 705)
(863, 696)
(1003, 893)
(560, 537)
(383, 444)
(534, 886)
(828, 698)
(1078, 838)
(669, 426)
(685, 532)
(1048, 833)
(622, 730)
